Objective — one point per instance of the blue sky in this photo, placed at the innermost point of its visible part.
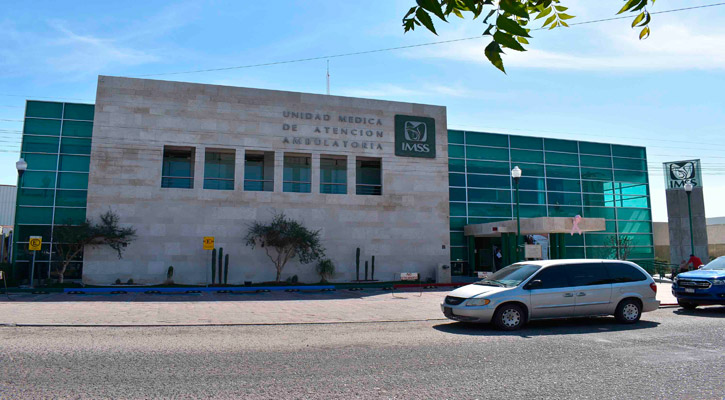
(592, 82)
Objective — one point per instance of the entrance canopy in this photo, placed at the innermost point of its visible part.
(535, 226)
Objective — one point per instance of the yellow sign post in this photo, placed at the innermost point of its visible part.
(34, 245)
(208, 242)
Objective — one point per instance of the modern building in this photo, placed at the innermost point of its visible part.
(181, 161)
(8, 193)
(715, 235)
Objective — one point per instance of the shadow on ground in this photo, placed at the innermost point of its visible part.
(704, 311)
(571, 326)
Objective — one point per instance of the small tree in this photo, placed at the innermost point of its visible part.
(70, 240)
(621, 246)
(326, 269)
(283, 239)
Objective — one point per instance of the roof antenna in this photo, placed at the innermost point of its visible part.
(328, 77)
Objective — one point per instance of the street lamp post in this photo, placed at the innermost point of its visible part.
(516, 175)
(688, 189)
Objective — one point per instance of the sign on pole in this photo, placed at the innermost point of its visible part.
(35, 243)
(208, 242)
(678, 173)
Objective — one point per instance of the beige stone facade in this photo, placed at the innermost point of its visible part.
(405, 228)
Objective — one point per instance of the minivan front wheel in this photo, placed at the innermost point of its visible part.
(509, 317)
(628, 311)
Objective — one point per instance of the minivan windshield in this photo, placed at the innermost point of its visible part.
(718, 263)
(510, 276)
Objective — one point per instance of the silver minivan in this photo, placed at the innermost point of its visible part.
(531, 290)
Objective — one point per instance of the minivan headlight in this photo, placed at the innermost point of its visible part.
(477, 302)
(718, 282)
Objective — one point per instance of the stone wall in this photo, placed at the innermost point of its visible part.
(406, 228)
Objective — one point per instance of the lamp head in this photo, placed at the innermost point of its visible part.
(21, 166)
(516, 172)
(688, 187)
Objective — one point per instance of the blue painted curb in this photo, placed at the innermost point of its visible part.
(198, 289)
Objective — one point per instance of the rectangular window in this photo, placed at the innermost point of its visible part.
(177, 170)
(596, 161)
(526, 142)
(40, 144)
(259, 171)
(458, 209)
(369, 176)
(489, 181)
(43, 109)
(41, 162)
(41, 180)
(564, 211)
(71, 198)
(77, 128)
(333, 174)
(34, 215)
(553, 171)
(489, 196)
(455, 151)
(628, 151)
(561, 145)
(455, 136)
(565, 199)
(595, 148)
(35, 197)
(69, 216)
(526, 197)
(487, 153)
(488, 167)
(75, 163)
(75, 146)
(596, 173)
(73, 180)
(490, 210)
(456, 165)
(79, 111)
(487, 139)
(297, 174)
(563, 185)
(527, 156)
(49, 127)
(219, 169)
(562, 158)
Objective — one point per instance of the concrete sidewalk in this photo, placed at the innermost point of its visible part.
(229, 309)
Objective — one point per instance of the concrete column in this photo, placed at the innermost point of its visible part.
(351, 174)
(239, 169)
(199, 168)
(278, 170)
(315, 171)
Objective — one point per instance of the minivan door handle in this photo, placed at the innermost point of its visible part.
(580, 294)
(568, 294)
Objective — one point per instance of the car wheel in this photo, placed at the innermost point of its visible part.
(687, 305)
(628, 311)
(509, 317)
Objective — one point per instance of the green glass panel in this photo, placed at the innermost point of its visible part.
(41, 255)
(489, 210)
(641, 253)
(632, 201)
(34, 215)
(564, 211)
(630, 163)
(487, 139)
(50, 127)
(561, 145)
(44, 180)
(562, 158)
(489, 195)
(527, 156)
(563, 185)
(640, 239)
(553, 171)
(72, 180)
(77, 128)
(40, 144)
(532, 211)
(530, 169)
(599, 212)
(35, 197)
(455, 165)
(630, 176)
(574, 252)
(628, 151)
(455, 136)
(597, 187)
(596, 161)
(597, 173)
(457, 223)
(634, 214)
(630, 188)
(47, 162)
(601, 200)
(594, 148)
(635, 227)
(599, 239)
(526, 142)
(457, 194)
(526, 197)
(219, 165)
(79, 111)
(26, 231)
(487, 220)
(296, 187)
(601, 252)
(333, 170)
(218, 184)
(182, 183)
(455, 151)
(43, 109)
(179, 163)
(610, 226)
(456, 179)
(69, 216)
(457, 239)
(332, 189)
(71, 198)
(368, 172)
(75, 163)
(458, 209)
(489, 181)
(75, 146)
(532, 184)
(459, 253)
(487, 153)
(488, 167)
(565, 198)
(574, 240)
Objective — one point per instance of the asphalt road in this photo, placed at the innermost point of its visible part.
(670, 354)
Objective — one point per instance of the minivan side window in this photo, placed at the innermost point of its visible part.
(553, 277)
(588, 274)
(621, 273)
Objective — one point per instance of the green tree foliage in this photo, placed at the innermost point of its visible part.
(70, 240)
(326, 269)
(284, 239)
(507, 21)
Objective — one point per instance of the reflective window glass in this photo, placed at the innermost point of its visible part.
(641, 253)
(596, 161)
(487, 139)
(72, 180)
(561, 145)
(634, 227)
(526, 197)
(457, 239)
(34, 215)
(35, 197)
(24, 232)
(628, 151)
(369, 175)
(630, 176)
(457, 223)
(457, 194)
(297, 175)
(574, 252)
(594, 148)
(489, 210)
(455, 165)
(526, 183)
(634, 214)
(530, 169)
(455, 136)
(599, 239)
(41, 127)
(564, 185)
(489, 195)
(259, 172)
(47, 162)
(219, 169)
(43, 109)
(455, 151)
(456, 179)
(487, 153)
(44, 180)
(75, 146)
(554, 171)
(564, 211)
(598, 200)
(489, 181)
(588, 274)
(333, 175)
(69, 216)
(77, 128)
(75, 163)
(528, 211)
(71, 198)
(40, 144)
(599, 212)
(632, 201)
(562, 158)
(79, 111)
(565, 198)
(177, 170)
(459, 253)
(488, 167)
(458, 209)
(526, 142)
(630, 163)
(527, 156)
(597, 173)
(630, 188)
(597, 187)
(641, 239)
(553, 277)
(574, 240)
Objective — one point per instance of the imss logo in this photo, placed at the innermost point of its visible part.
(678, 173)
(414, 136)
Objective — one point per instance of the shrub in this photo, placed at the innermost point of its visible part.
(326, 269)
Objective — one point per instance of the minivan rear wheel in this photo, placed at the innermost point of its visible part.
(628, 311)
(509, 317)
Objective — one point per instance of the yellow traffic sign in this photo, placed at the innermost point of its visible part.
(35, 243)
(208, 242)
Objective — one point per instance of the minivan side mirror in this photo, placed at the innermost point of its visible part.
(536, 283)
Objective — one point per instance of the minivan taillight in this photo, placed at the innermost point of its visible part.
(653, 286)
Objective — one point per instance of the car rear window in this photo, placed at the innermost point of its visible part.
(621, 273)
(588, 274)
